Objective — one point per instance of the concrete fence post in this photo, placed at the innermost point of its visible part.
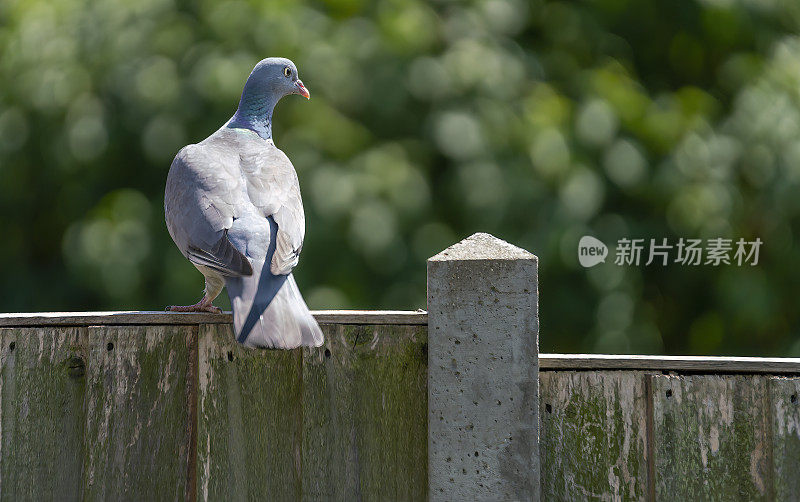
(483, 372)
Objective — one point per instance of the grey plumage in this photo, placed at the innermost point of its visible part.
(233, 207)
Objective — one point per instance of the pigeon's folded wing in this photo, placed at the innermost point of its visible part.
(273, 187)
(199, 209)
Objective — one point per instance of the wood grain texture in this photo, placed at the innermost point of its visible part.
(365, 414)
(593, 435)
(700, 364)
(250, 420)
(712, 438)
(113, 318)
(144, 318)
(42, 411)
(784, 394)
(372, 317)
(137, 424)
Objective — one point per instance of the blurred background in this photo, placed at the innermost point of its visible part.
(533, 120)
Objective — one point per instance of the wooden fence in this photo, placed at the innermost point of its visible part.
(164, 406)
(394, 406)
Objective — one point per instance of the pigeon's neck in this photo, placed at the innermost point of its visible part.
(254, 113)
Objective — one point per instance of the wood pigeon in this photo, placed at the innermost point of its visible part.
(232, 205)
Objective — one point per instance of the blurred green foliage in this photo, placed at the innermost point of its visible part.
(536, 121)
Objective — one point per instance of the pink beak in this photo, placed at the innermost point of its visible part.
(301, 89)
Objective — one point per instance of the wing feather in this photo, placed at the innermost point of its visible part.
(199, 207)
(273, 187)
(222, 257)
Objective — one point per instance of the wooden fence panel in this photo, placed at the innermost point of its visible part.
(784, 395)
(593, 435)
(42, 388)
(137, 423)
(365, 414)
(249, 420)
(712, 437)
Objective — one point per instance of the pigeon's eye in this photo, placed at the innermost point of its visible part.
(287, 72)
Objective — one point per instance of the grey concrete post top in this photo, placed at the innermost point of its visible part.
(483, 246)
(483, 372)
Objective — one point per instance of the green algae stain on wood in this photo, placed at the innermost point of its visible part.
(137, 425)
(785, 400)
(593, 435)
(42, 388)
(365, 414)
(249, 420)
(712, 437)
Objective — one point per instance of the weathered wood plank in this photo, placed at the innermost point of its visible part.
(381, 317)
(42, 388)
(113, 318)
(142, 318)
(365, 414)
(249, 420)
(712, 437)
(137, 425)
(593, 435)
(785, 398)
(701, 364)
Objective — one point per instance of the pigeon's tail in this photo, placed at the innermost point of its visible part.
(269, 312)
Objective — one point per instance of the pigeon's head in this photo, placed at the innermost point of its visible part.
(275, 78)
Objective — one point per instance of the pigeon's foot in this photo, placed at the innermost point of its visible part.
(201, 306)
